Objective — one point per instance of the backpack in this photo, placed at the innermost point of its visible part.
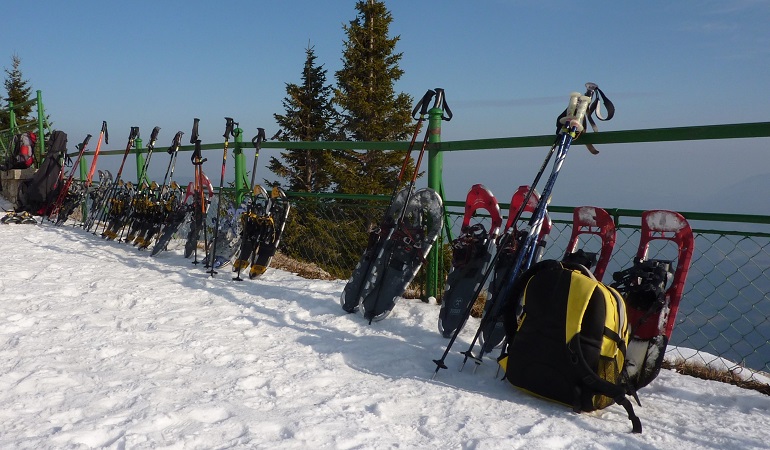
(22, 153)
(37, 194)
(568, 344)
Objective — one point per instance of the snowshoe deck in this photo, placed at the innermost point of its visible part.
(472, 254)
(651, 306)
(352, 293)
(279, 213)
(591, 220)
(402, 254)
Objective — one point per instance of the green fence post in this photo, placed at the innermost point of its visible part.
(435, 170)
(140, 175)
(240, 166)
(40, 128)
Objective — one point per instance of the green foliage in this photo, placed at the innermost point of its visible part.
(309, 116)
(17, 91)
(327, 234)
(372, 111)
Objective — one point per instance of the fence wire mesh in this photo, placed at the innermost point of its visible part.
(723, 316)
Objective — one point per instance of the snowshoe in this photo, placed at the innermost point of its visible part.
(402, 254)
(471, 254)
(352, 293)
(279, 213)
(653, 289)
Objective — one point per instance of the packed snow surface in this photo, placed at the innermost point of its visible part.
(102, 346)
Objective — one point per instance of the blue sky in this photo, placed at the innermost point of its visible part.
(507, 66)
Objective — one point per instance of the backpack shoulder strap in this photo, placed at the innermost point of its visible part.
(617, 392)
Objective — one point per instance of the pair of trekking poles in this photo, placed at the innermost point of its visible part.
(571, 123)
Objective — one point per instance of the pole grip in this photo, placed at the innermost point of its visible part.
(196, 157)
(580, 113)
(134, 134)
(230, 125)
(85, 142)
(259, 138)
(175, 143)
(440, 102)
(106, 134)
(423, 105)
(153, 137)
(194, 136)
(569, 114)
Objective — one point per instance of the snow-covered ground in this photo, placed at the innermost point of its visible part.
(102, 346)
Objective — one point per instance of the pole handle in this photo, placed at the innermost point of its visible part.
(423, 105)
(153, 137)
(259, 138)
(580, 114)
(175, 143)
(441, 103)
(84, 143)
(105, 132)
(196, 157)
(230, 125)
(194, 136)
(133, 135)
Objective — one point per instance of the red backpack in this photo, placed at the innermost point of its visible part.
(22, 151)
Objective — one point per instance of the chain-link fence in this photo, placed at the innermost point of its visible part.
(723, 313)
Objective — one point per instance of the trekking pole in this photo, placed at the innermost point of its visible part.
(257, 142)
(424, 103)
(173, 208)
(199, 205)
(572, 125)
(105, 207)
(103, 135)
(150, 149)
(141, 179)
(66, 186)
(173, 151)
(230, 126)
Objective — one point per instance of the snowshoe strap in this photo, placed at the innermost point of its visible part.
(595, 108)
(636, 424)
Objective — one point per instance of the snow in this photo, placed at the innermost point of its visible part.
(102, 346)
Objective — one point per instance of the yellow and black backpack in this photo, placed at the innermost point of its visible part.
(566, 339)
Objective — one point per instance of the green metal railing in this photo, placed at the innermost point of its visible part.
(725, 308)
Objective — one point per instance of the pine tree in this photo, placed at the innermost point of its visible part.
(372, 111)
(310, 116)
(18, 91)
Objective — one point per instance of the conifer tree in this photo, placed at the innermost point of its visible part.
(310, 116)
(18, 91)
(372, 110)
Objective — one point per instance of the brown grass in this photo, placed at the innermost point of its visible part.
(303, 269)
(707, 373)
